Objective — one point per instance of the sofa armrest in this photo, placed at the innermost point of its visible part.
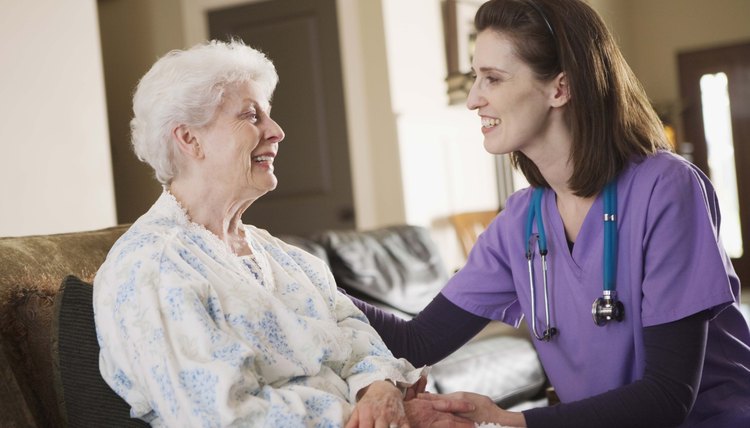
(504, 368)
(398, 266)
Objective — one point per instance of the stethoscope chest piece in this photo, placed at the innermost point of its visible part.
(607, 308)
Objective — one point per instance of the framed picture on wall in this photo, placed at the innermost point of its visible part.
(459, 44)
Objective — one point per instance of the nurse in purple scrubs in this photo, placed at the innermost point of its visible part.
(639, 325)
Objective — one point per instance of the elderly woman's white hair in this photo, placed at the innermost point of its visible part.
(187, 87)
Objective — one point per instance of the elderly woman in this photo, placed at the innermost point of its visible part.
(205, 321)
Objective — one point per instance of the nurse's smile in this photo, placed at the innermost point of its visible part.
(489, 123)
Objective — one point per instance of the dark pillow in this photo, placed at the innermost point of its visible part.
(89, 401)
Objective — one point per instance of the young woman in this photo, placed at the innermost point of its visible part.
(612, 255)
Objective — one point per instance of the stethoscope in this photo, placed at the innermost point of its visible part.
(605, 308)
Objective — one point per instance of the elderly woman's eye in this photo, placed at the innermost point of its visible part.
(252, 116)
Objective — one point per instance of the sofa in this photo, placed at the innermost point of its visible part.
(49, 353)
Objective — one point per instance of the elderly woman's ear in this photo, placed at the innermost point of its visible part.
(186, 141)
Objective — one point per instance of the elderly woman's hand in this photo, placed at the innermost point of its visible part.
(380, 406)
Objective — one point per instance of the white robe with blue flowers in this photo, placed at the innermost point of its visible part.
(193, 335)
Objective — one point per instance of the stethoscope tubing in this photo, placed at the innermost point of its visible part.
(610, 236)
(540, 239)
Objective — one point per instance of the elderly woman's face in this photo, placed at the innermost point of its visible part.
(241, 143)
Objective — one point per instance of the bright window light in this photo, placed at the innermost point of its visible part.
(718, 128)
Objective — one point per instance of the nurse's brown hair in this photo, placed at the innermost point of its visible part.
(609, 114)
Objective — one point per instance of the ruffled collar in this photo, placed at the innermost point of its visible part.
(178, 212)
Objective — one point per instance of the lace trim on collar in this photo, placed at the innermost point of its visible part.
(184, 219)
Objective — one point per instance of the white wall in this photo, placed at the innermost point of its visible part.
(444, 166)
(55, 169)
(375, 160)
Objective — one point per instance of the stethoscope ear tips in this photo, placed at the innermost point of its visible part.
(607, 308)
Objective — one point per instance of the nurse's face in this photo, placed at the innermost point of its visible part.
(512, 103)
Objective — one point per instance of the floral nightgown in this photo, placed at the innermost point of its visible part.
(193, 335)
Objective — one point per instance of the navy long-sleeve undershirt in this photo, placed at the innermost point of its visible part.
(665, 395)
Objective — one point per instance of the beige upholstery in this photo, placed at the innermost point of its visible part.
(31, 270)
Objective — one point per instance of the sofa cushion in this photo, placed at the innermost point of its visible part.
(88, 400)
(398, 265)
(504, 368)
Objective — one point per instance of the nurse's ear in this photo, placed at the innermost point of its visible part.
(560, 91)
(187, 142)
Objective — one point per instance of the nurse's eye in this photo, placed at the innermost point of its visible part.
(491, 80)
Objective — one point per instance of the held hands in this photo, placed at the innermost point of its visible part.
(421, 413)
(417, 388)
(475, 407)
(380, 406)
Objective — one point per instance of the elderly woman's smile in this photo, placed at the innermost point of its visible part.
(265, 160)
(240, 144)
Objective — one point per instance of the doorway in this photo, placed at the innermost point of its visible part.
(715, 91)
(301, 38)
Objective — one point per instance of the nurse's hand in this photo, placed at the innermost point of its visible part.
(484, 409)
(422, 414)
(379, 405)
(417, 388)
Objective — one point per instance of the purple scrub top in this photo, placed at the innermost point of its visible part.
(670, 265)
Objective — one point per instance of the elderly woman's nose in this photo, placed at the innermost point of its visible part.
(274, 132)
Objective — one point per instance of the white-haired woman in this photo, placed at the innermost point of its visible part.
(205, 321)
